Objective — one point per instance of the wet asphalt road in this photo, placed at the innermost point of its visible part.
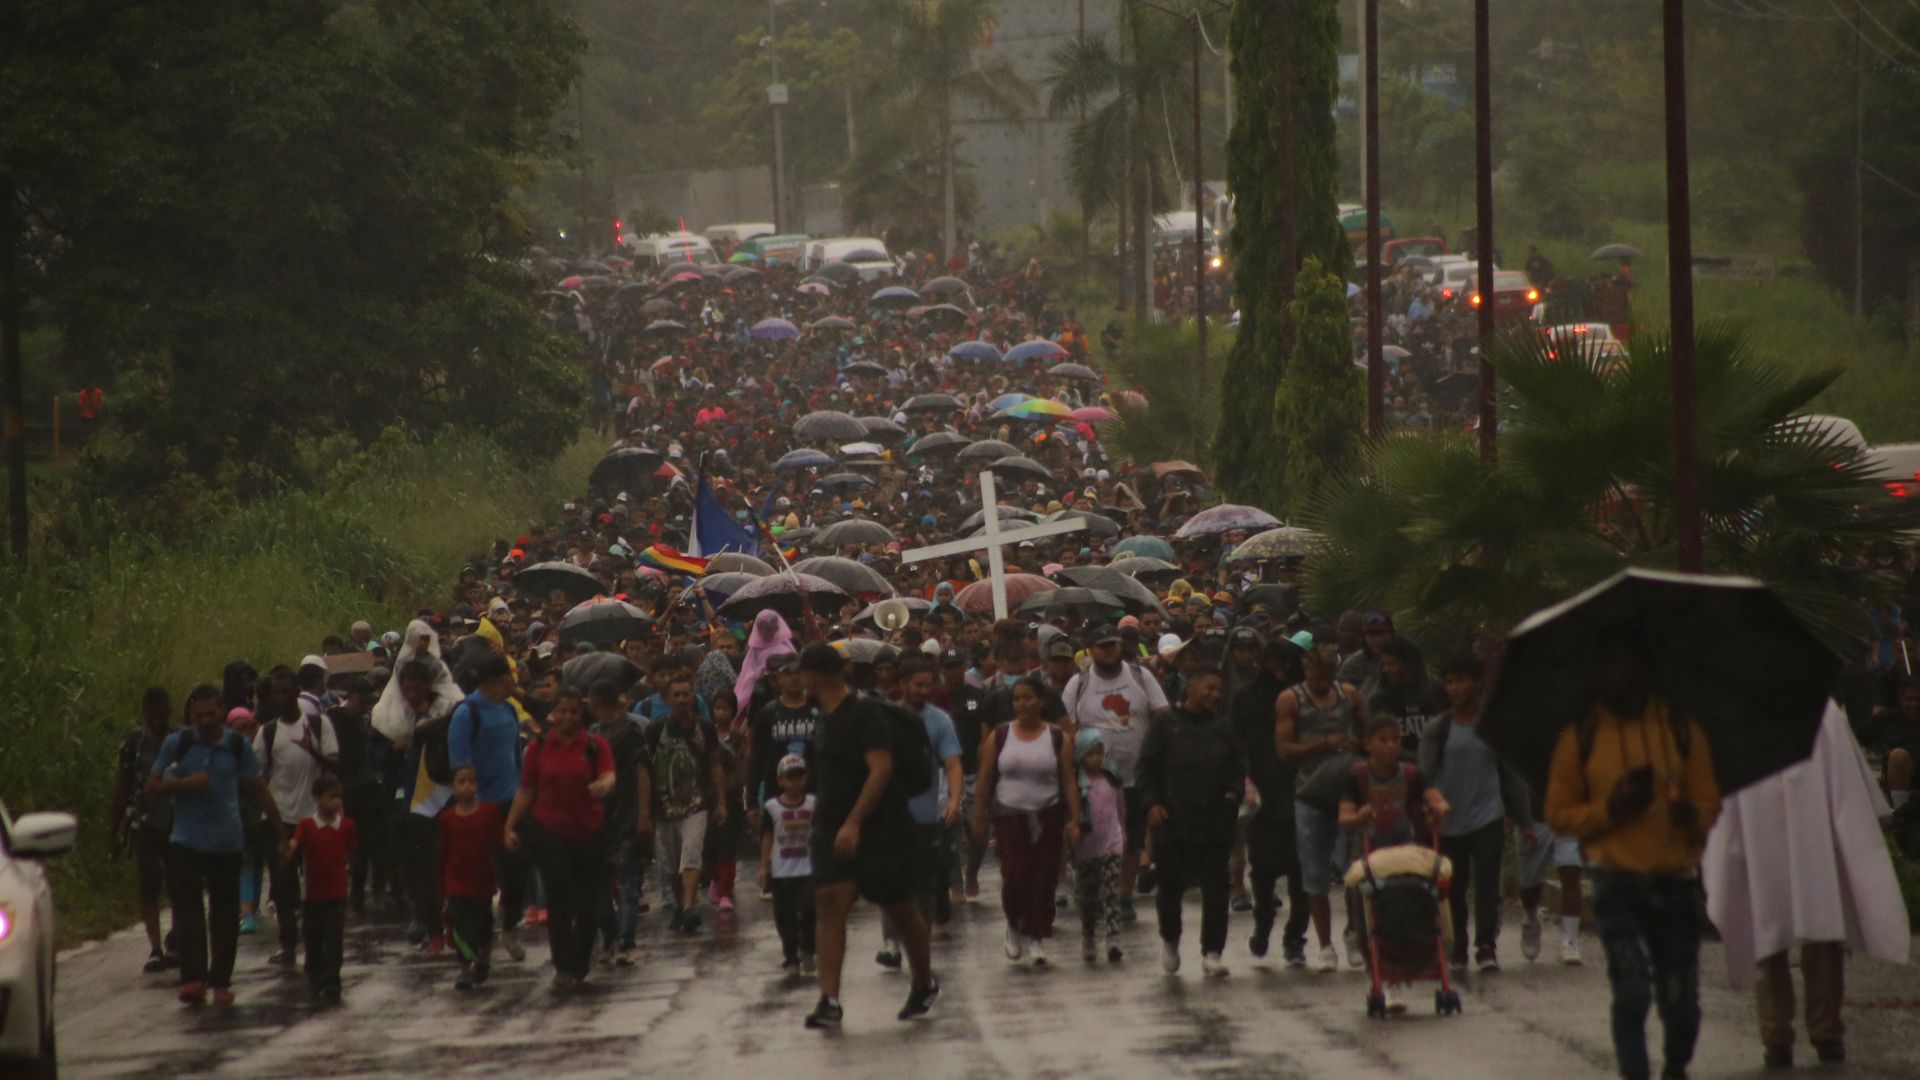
(716, 1006)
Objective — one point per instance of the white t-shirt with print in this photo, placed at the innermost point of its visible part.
(792, 830)
(291, 770)
(1118, 708)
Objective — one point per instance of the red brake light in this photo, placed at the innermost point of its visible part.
(1474, 299)
(1580, 328)
(1533, 296)
(1897, 490)
(1446, 294)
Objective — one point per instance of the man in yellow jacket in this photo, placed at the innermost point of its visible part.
(1635, 785)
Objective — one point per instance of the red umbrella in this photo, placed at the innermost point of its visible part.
(977, 598)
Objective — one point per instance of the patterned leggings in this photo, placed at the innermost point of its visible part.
(1097, 881)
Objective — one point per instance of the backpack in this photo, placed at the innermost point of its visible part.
(675, 764)
(434, 753)
(913, 767)
(266, 743)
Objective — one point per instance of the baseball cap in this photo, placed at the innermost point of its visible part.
(953, 656)
(1103, 634)
(1377, 620)
(1060, 649)
(792, 763)
(1169, 646)
(1245, 635)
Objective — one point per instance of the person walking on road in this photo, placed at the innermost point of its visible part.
(483, 731)
(1118, 699)
(295, 747)
(862, 840)
(935, 811)
(1096, 858)
(1028, 792)
(1271, 850)
(143, 822)
(471, 834)
(1193, 775)
(1317, 729)
(786, 866)
(680, 786)
(206, 769)
(324, 844)
(1635, 785)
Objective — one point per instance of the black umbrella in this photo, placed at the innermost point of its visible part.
(540, 579)
(799, 535)
(854, 577)
(787, 594)
(627, 467)
(832, 322)
(581, 672)
(1146, 568)
(986, 450)
(840, 273)
(656, 308)
(736, 562)
(931, 403)
(1611, 252)
(1022, 467)
(865, 367)
(851, 531)
(938, 442)
(1074, 371)
(739, 273)
(829, 426)
(664, 328)
(591, 266)
(1724, 651)
(1098, 525)
(945, 286)
(720, 585)
(898, 296)
(1133, 595)
(946, 314)
(1283, 598)
(843, 481)
(1073, 600)
(1003, 511)
(604, 621)
(881, 429)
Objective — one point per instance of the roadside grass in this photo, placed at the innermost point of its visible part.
(81, 640)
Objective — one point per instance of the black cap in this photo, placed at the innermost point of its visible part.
(1060, 648)
(1103, 633)
(822, 659)
(1245, 635)
(784, 662)
(952, 656)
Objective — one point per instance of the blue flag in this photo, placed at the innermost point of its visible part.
(715, 530)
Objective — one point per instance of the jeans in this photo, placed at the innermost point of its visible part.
(575, 873)
(206, 914)
(793, 916)
(421, 864)
(1182, 864)
(326, 942)
(1476, 864)
(620, 914)
(1650, 926)
(1322, 849)
(370, 806)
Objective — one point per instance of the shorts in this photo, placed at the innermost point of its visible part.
(1323, 850)
(1136, 820)
(882, 870)
(680, 844)
(1550, 852)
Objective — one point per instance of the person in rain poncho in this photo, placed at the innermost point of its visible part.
(391, 715)
(1798, 858)
(770, 637)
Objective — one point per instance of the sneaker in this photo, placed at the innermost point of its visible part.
(1570, 953)
(1257, 944)
(723, 905)
(1242, 902)
(416, 933)
(464, 982)
(1127, 914)
(1356, 957)
(510, 941)
(1295, 956)
(537, 916)
(1395, 1006)
(676, 919)
(223, 995)
(888, 957)
(1486, 961)
(157, 963)
(283, 958)
(825, 1016)
(1114, 955)
(193, 993)
(973, 888)
(920, 1000)
(1831, 1053)
(629, 957)
(249, 924)
(1037, 952)
(480, 972)
(1089, 948)
(1212, 966)
(564, 984)
(807, 966)
(1014, 945)
(1328, 961)
(690, 923)
(1170, 957)
(766, 896)
(791, 969)
(607, 955)
(1530, 936)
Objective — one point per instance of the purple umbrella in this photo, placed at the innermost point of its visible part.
(774, 330)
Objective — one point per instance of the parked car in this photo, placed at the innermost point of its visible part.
(26, 941)
(1513, 296)
(1898, 465)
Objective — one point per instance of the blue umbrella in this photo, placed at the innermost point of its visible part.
(1008, 401)
(802, 459)
(774, 330)
(1151, 547)
(1035, 350)
(897, 295)
(974, 350)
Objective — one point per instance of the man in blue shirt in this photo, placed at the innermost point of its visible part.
(484, 732)
(205, 769)
(1419, 309)
(935, 811)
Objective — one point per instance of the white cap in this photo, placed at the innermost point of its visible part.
(313, 661)
(1169, 645)
(931, 646)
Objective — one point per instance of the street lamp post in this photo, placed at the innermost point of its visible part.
(777, 100)
(1687, 527)
(1483, 220)
(1370, 172)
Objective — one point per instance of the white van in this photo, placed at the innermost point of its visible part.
(653, 252)
(864, 253)
(732, 236)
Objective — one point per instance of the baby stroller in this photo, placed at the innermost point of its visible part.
(1402, 889)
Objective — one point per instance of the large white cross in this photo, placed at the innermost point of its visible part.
(992, 541)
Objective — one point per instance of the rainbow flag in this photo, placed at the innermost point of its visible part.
(662, 557)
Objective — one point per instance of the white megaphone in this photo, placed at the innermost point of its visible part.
(891, 615)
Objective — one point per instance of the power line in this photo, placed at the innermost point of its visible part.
(1875, 20)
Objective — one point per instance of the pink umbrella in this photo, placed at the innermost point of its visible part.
(817, 288)
(1094, 414)
(977, 598)
(572, 282)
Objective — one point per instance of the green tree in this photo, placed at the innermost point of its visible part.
(1318, 410)
(1282, 169)
(935, 68)
(1461, 550)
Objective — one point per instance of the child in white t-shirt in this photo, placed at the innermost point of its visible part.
(785, 866)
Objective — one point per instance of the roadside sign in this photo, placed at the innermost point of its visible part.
(1738, 266)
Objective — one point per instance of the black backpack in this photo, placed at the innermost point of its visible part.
(913, 765)
(434, 753)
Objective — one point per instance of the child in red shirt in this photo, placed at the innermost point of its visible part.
(471, 835)
(326, 842)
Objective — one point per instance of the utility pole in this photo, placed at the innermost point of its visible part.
(1199, 215)
(1370, 184)
(1483, 220)
(1362, 12)
(1687, 526)
(777, 100)
(12, 397)
(1086, 212)
(1859, 181)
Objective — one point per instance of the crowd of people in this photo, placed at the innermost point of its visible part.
(504, 762)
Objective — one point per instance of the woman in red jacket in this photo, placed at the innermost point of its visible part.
(563, 777)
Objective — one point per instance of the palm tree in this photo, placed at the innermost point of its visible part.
(1461, 550)
(934, 57)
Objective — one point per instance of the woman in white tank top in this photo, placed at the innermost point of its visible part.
(1029, 791)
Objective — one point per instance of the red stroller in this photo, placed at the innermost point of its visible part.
(1406, 939)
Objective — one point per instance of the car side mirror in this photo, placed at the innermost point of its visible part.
(42, 836)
